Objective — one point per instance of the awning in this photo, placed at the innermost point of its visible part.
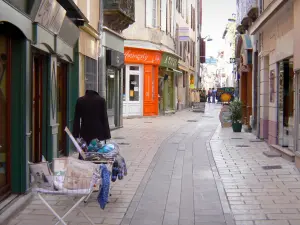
(72, 9)
(177, 72)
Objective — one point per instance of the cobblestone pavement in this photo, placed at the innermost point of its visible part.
(183, 173)
(256, 196)
(140, 140)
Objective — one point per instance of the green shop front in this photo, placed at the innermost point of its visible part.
(167, 83)
(38, 86)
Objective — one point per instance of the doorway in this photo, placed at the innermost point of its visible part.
(286, 104)
(132, 105)
(5, 120)
(62, 73)
(37, 108)
(150, 90)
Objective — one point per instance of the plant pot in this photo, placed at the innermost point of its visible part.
(237, 127)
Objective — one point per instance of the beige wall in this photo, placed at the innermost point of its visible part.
(93, 13)
(139, 31)
(267, 3)
(297, 34)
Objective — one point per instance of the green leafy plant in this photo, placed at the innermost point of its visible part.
(236, 109)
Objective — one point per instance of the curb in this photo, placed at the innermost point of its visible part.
(14, 207)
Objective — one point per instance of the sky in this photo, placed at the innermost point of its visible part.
(214, 19)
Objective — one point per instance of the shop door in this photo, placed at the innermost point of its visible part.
(4, 116)
(286, 105)
(62, 107)
(150, 90)
(132, 105)
(37, 109)
(111, 95)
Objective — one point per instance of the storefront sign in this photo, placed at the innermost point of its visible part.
(50, 15)
(114, 58)
(142, 56)
(169, 61)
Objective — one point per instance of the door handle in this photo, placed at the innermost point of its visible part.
(29, 134)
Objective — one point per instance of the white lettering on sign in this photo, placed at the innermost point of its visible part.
(170, 61)
(50, 15)
(145, 57)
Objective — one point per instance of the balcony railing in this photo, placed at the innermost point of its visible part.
(119, 14)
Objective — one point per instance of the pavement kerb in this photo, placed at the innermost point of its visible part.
(15, 207)
(221, 190)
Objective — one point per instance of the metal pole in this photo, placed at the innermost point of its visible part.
(101, 55)
(198, 38)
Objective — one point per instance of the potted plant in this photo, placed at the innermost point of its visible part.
(236, 110)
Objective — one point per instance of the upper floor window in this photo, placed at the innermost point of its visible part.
(179, 6)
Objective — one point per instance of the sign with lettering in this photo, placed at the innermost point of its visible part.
(169, 61)
(50, 15)
(142, 56)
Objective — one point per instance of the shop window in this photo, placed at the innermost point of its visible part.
(90, 74)
(134, 92)
(184, 80)
(135, 68)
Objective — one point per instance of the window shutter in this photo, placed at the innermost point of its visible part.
(149, 13)
(163, 19)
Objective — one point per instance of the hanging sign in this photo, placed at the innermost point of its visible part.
(225, 94)
(50, 15)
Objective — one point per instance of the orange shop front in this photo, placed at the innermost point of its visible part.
(140, 83)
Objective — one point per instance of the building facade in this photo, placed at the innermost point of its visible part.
(155, 83)
(38, 84)
(117, 16)
(269, 40)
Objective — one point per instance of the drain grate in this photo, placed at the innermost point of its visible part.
(208, 116)
(272, 167)
(236, 138)
(118, 138)
(192, 121)
(256, 140)
(242, 146)
(123, 143)
(147, 122)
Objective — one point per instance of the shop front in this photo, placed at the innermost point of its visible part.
(167, 83)
(35, 59)
(111, 76)
(140, 86)
(244, 54)
(115, 64)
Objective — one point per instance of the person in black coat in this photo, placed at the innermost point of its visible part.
(91, 109)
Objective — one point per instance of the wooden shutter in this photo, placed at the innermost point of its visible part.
(163, 17)
(149, 13)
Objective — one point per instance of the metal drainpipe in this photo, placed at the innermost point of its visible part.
(101, 57)
(198, 38)
(296, 116)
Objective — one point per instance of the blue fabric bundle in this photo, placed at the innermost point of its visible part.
(104, 188)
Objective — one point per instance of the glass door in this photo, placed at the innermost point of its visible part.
(111, 95)
(134, 89)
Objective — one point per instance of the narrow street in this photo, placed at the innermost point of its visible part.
(185, 169)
